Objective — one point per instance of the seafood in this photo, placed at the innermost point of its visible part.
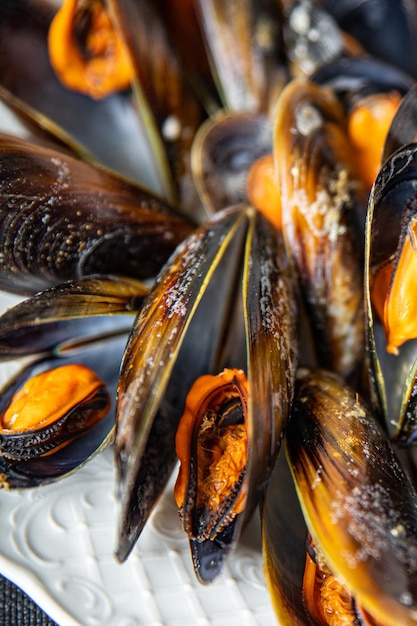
(370, 92)
(388, 34)
(239, 254)
(244, 43)
(203, 359)
(389, 305)
(223, 150)
(86, 52)
(57, 411)
(359, 506)
(106, 225)
(320, 200)
(28, 430)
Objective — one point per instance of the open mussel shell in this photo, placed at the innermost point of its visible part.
(70, 313)
(32, 126)
(403, 129)
(389, 34)
(179, 335)
(45, 468)
(223, 150)
(66, 412)
(110, 129)
(371, 92)
(184, 27)
(359, 505)
(245, 46)
(61, 219)
(389, 228)
(165, 99)
(354, 78)
(77, 324)
(283, 533)
(321, 215)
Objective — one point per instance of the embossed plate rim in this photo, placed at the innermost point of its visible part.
(78, 518)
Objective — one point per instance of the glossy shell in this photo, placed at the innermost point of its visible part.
(62, 219)
(67, 328)
(320, 220)
(390, 220)
(223, 151)
(50, 410)
(358, 504)
(164, 365)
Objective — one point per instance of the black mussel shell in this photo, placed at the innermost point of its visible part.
(240, 255)
(223, 151)
(70, 313)
(386, 30)
(359, 505)
(354, 78)
(40, 470)
(62, 219)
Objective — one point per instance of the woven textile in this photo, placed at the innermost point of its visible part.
(17, 609)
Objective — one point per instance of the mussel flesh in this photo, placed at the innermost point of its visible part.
(50, 410)
(237, 253)
(359, 506)
(57, 412)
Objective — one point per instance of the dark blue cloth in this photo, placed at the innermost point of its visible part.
(17, 609)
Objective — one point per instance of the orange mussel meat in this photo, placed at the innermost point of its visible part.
(211, 445)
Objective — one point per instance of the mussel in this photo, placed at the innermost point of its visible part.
(57, 412)
(223, 152)
(209, 362)
(212, 447)
(45, 413)
(390, 259)
(370, 91)
(110, 129)
(321, 204)
(245, 47)
(63, 219)
(360, 509)
(185, 330)
(86, 52)
(386, 31)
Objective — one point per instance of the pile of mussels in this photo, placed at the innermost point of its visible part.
(211, 210)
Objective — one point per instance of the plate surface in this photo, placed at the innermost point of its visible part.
(57, 544)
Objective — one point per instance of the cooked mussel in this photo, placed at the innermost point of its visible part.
(244, 43)
(390, 304)
(359, 507)
(165, 99)
(55, 413)
(184, 331)
(213, 431)
(21, 120)
(321, 205)
(83, 425)
(63, 219)
(86, 51)
(387, 32)
(212, 447)
(110, 129)
(312, 37)
(223, 151)
(50, 410)
(356, 77)
(403, 129)
(370, 92)
(68, 314)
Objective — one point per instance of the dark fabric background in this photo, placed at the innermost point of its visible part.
(17, 609)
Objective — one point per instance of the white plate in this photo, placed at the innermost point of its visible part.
(57, 544)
